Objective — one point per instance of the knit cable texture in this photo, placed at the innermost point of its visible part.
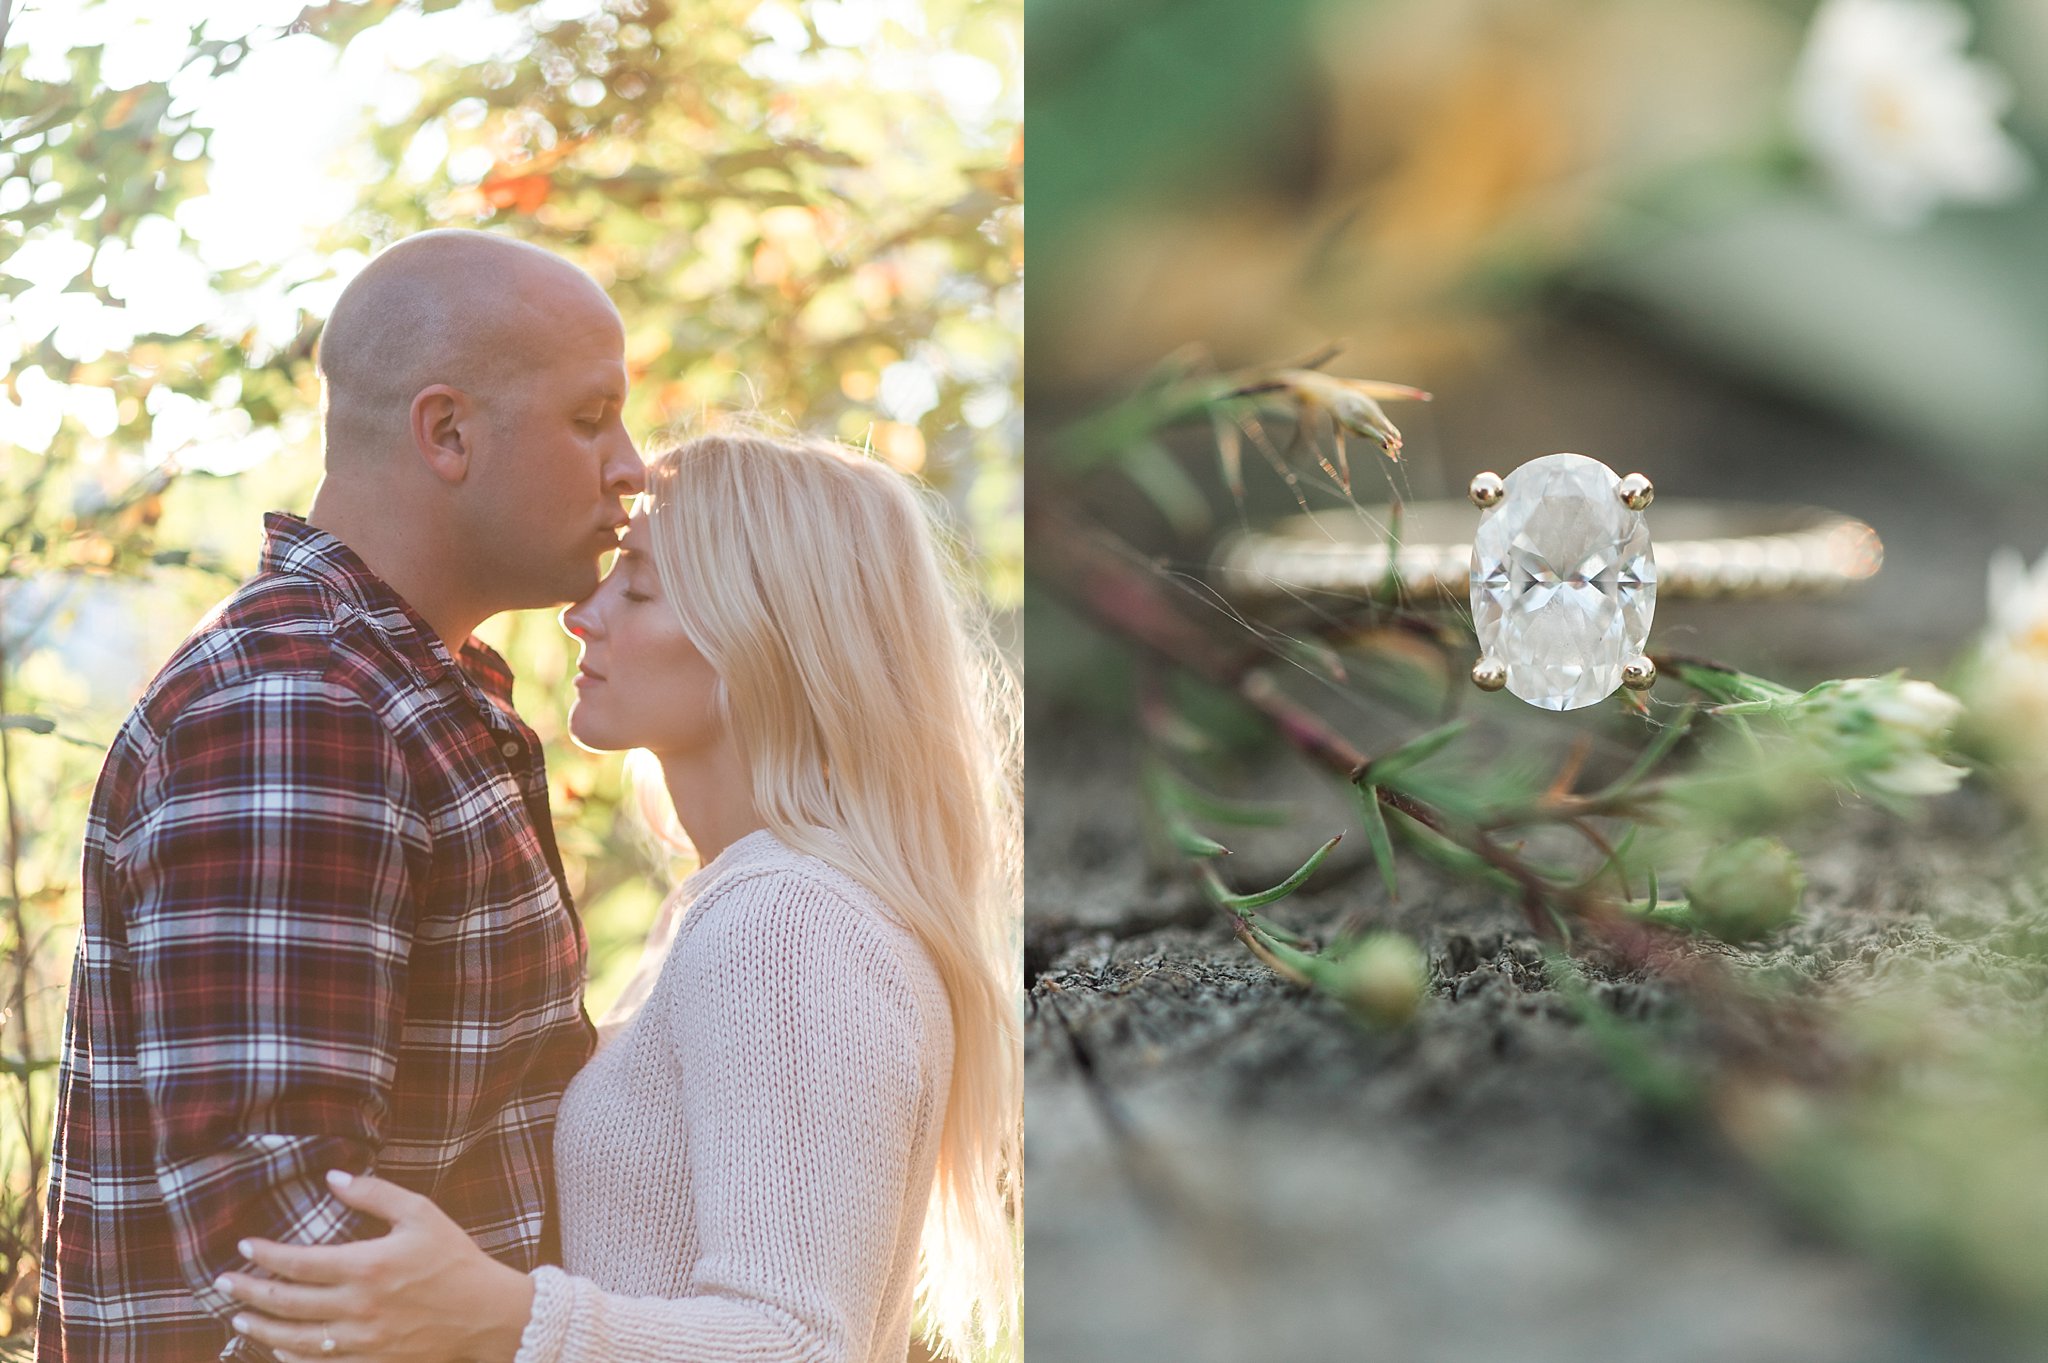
(744, 1169)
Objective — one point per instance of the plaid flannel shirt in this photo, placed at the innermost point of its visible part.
(325, 927)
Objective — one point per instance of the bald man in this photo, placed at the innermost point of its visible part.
(325, 920)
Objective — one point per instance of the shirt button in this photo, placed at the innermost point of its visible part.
(510, 747)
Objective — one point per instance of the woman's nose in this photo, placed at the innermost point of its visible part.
(580, 620)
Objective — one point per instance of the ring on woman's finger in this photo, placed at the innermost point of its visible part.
(327, 1344)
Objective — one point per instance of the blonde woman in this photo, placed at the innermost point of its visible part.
(811, 1115)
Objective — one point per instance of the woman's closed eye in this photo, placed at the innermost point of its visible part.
(633, 570)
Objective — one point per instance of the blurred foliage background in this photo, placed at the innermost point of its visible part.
(802, 206)
(1845, 211)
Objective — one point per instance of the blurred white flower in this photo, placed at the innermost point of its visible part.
(1887, 734)
(1900, 119)
(2018, 598)
(2007, 682)
(1916, 773)
(1912, 709)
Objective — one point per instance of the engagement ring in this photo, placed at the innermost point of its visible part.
(327, 1344)
(1560, 572)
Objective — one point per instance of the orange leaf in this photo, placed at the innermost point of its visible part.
(520, 193)
(117, 113)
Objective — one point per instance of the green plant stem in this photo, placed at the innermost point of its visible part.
(1726, 686)
(1273, 954)
(1087, 567)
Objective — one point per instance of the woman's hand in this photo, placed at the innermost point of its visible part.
(424, 1293)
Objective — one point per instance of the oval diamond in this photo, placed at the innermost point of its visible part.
(1563, 582)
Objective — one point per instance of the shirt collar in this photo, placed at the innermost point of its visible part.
(290, 545)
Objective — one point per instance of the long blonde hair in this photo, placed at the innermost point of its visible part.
(867, 698)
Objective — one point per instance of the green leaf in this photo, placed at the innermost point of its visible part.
(1190, 841)
(1375, 821)
(1223, 896)
(1387, 769)
(1168, 787)
(1163, 792)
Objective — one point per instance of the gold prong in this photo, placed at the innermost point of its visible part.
(1489, 674)
(1635, 492)
(1487, 490)
(1639, 673)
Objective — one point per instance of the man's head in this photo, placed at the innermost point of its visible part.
(474, 386)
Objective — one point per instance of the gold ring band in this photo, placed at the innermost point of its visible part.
(1702, 549)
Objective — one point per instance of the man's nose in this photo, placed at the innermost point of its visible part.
(625, 473)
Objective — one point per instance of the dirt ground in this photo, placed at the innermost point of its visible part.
(1221, 1167)
(1250, 1173)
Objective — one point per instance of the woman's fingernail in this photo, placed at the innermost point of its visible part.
(340, 1178)
(241, 1324)
(246, 1248)
(223, 1286)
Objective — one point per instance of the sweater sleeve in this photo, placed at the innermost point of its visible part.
(797, 1030)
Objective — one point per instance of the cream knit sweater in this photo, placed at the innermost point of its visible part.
(745, 1167)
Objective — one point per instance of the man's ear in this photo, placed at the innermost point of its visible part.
(443, 423)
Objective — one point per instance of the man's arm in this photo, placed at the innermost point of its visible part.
(269, 922)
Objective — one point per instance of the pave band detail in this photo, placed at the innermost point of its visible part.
(1704, 549)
